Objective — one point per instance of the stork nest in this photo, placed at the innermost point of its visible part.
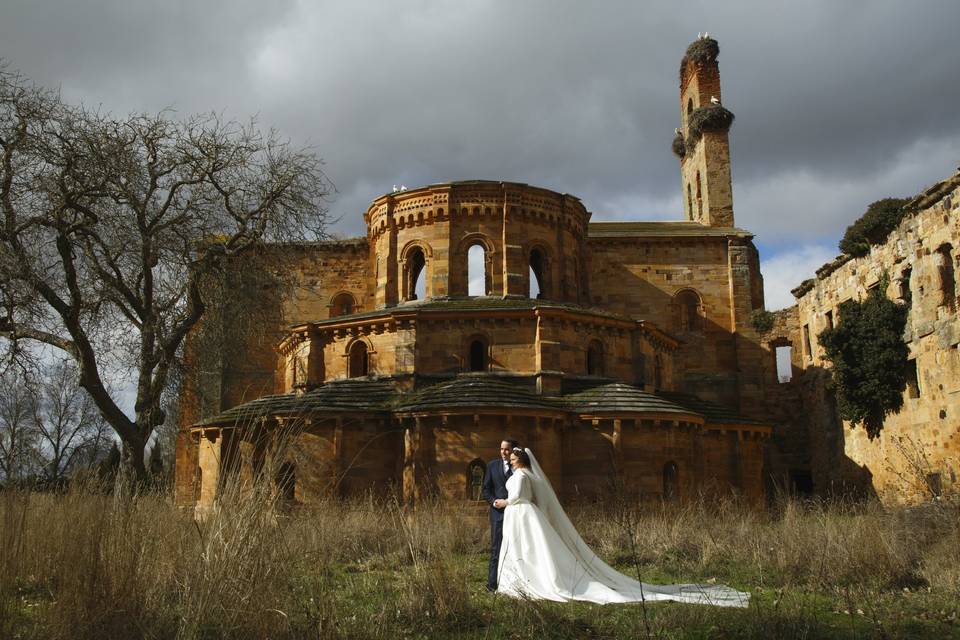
(699, 52)
(713, 118)
(679, 146)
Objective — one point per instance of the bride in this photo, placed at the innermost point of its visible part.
(543, 556)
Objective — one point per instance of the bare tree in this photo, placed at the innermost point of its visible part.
(19, 439)
(110, 227)
(71, 432)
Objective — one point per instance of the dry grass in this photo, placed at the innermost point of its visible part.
(90, 565)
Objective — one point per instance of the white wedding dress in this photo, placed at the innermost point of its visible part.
(543, 557)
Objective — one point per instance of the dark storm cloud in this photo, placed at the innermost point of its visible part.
(837, 103)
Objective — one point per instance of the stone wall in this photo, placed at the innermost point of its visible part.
(918, 451)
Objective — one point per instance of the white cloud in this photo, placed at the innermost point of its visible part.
(785, 270)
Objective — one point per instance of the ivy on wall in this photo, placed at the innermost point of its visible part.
(869, 358)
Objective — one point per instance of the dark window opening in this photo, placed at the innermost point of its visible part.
(689, 202)
(478, 356)
(475, 473)
(671, 483)
(286, 482)
(595, 359)
(801, 482)
(416, 275)
(905, 286)
(828, 316)
(657, 373)
(948, 285)
(688, 307)
(913, 381)
(359, 360)
(342, 305)
(808, 351)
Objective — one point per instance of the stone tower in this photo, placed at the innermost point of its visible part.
(703, 144)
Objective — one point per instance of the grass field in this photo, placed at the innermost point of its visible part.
(89, 565)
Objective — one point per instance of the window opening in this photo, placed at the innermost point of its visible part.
(948, 285)
(671, 485)
(477, 271)
(416, 274)
(784, 363)
(913, 380)
(537, 270)
(359, 360)
(478, 356)
(475, 473)
(595, 359)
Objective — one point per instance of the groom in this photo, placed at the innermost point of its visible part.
(495, 493)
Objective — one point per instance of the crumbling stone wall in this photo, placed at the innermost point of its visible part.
(918, 452)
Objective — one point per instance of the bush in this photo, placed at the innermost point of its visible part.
(678, 146)
(873, 226)
(761, 320)
(869, 358)
(714, 117)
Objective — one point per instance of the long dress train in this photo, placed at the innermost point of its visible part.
(543, 556)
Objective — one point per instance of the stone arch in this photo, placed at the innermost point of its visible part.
(463, 250)
(415, 260)
(358, 357)
(538, 263)
(342, 303)
(474, 485)
(688, 311)
(476, 350)
(595, 358)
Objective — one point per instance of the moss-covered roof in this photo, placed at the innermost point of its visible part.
(661, 228)
(618, 397)
(477, 391)
(473, 304)
(366, 395)
(713, 412)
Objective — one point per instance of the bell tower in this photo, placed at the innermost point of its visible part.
(703, 143)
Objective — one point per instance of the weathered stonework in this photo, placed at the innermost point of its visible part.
(917, 455)
(636, 367)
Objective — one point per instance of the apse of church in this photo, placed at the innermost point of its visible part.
(621, 352)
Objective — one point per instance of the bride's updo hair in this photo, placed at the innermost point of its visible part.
(522, 456)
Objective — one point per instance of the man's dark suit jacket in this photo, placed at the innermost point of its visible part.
(495, 487)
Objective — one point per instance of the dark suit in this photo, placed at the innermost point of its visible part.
(495, 487)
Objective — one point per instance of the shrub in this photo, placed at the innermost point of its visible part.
(678, 146)
(869, 358)
(761, 320)
(873, 227)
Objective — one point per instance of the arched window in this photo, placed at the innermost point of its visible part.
(416, 274)
(671, 482)
(657, 372)
(688, 311)
(286, 482)
(477, 271)
(948, 283)
(342, 304)
(595, 358)
(359, 359)
(538, 265)
(475, 472)
(478, 355)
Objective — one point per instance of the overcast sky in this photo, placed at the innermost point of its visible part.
(837, 103)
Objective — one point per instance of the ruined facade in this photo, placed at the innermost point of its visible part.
(917, 455)
(621, 352)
